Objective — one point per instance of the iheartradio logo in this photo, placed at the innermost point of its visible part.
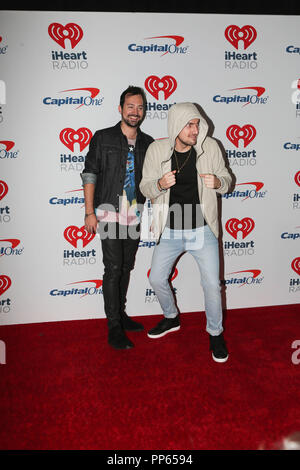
(3, 189)
(166, 84)
(5, 283)
(297, 178)
(247, 34)
(60, 33)
(69, 137)
(245, 226)
(295, 265)
(236, 133)
(72, 234)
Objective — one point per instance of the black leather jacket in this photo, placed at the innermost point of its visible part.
(105, 164)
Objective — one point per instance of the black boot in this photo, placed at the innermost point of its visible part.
(118, 339)
(129, 324)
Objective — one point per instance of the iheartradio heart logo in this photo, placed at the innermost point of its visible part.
(69, 137)
(234, 34)
(3, 189)
(296, 265)
(5, 283)
(60, 33)
(72, 234)
(234, 226)
(154, 85)
(297, 178)
(246, 133)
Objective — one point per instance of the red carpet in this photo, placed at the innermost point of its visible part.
(62, 387)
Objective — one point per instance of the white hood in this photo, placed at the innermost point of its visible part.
(158, 162)
(178, 116)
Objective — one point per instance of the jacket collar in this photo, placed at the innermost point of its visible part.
(119, 130)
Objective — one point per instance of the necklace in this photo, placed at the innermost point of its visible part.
(185, 161)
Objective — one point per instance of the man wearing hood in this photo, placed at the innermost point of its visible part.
(182, 175)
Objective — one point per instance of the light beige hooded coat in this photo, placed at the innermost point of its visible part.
(158, 162)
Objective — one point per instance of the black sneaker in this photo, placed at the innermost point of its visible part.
(218, 348)
(165, 326)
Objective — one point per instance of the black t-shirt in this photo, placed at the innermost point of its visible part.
(184, 207)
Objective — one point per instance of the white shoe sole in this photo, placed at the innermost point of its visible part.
(216, 359)
(176, 328)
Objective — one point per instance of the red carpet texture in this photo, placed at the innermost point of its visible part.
(63, 387)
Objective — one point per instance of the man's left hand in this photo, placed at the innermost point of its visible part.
(211, 181)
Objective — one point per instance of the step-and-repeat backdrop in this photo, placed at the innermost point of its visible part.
(61, 76)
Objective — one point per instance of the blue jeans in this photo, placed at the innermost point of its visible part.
(202, 244)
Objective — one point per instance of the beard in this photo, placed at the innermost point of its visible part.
(132, 124)
(188, 142)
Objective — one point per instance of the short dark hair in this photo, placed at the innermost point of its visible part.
(133, 90)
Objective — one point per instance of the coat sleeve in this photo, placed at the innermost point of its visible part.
(220, 170)
(151, 173)
(92, 161)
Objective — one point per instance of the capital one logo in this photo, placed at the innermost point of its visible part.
(72, 234)
(70, 31)
(89, 100)
(254, 193)
(251, 279)
(245, 226)
(297, 178)
(173, 48)
(254, 98)
(8, 144)
(5, 283)
(81, 290)
(14, 242)
(236, 133)
(295, 265)
(167, 85)
(247, 34)
(3, 189)
(89, 290)
(69, 137)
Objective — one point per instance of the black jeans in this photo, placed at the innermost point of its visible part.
(119, 247)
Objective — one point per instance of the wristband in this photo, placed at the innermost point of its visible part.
(91, 213)
(159, 186)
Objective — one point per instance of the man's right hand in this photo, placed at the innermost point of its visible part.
(167, 180)
(91, 223)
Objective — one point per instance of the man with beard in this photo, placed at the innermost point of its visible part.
(114, 203)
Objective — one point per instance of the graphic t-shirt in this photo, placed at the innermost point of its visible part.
(128, 214)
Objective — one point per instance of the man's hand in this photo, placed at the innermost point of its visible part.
(211, 181)
(90, 223)
(167, 180)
